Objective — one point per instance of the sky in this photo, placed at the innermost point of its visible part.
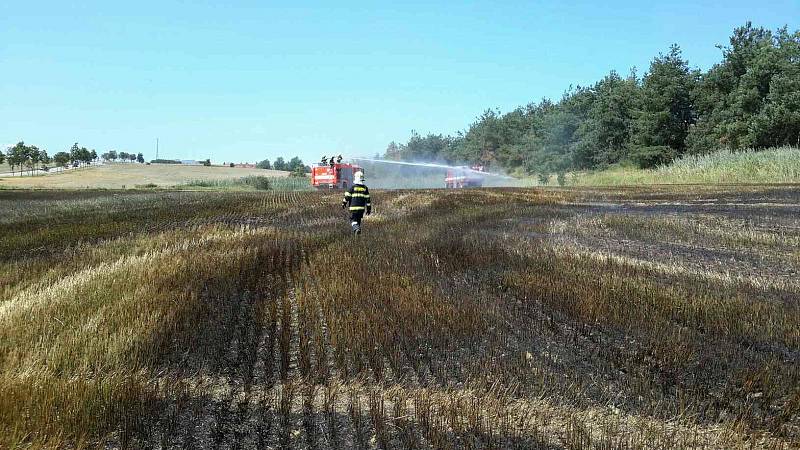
(243, 81)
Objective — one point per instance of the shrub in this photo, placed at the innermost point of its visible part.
(543, 178)
(258, 182)
(649, 157)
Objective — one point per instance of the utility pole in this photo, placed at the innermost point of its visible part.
(156, 148)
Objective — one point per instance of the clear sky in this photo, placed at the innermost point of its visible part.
(245, 81)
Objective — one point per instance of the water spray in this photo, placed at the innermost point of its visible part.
(434, 166)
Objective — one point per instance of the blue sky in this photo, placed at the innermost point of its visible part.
(254, 80)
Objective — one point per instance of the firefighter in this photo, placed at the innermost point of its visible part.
(324, 160)
(357, 200)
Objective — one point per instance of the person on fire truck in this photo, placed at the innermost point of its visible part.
(357, 200)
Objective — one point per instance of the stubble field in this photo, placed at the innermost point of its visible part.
(132, 176)
(661, 317)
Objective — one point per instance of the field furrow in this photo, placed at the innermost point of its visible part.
(474, 319)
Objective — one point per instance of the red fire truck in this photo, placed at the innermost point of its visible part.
(334, 176)
(461, 177)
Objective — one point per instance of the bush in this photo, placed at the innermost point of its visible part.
(165, 161)
(650, 157)
(298, 173)
(544, 178)
(258, 182)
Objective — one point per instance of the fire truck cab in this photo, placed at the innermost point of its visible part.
(334, 176)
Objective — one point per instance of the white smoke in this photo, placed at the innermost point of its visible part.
(388, 174)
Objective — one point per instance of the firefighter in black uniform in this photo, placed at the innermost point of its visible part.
(357, 200)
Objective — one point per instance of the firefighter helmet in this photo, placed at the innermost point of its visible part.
(358, 177)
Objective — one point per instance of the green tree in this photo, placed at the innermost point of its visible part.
(140, 159)
(432, 147)
(280, 164)
(667, 110)
(75, 153)
(124, 156)
(482, 140)
(18, 156)
(612, 114)
(778, 121)
(559, 140)
(393, 151)
(61, 159)
(85, 155)
(734, 101)
(295, 164)
(750, 99)
(93, 155)
(33, 159)
(265, 164)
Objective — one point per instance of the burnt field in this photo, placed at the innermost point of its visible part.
(661, 317)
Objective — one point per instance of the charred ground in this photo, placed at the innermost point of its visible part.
(620, 318)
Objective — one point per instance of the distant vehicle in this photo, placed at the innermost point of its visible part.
(461, 177)
(336, 175)
(45, 169)
(75, 163)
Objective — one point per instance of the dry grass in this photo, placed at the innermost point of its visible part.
(773, 165)
(129, 176)
(460, 319)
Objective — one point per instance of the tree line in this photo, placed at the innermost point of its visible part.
(750, 99)
(112, 155)
(31, 158)
(294, 165)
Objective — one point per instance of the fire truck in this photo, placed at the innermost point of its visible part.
(463, 176)
(336, 175)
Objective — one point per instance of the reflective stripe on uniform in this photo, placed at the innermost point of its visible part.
(356, 208)
(360, 195)
(359, 188)
(347, 194)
